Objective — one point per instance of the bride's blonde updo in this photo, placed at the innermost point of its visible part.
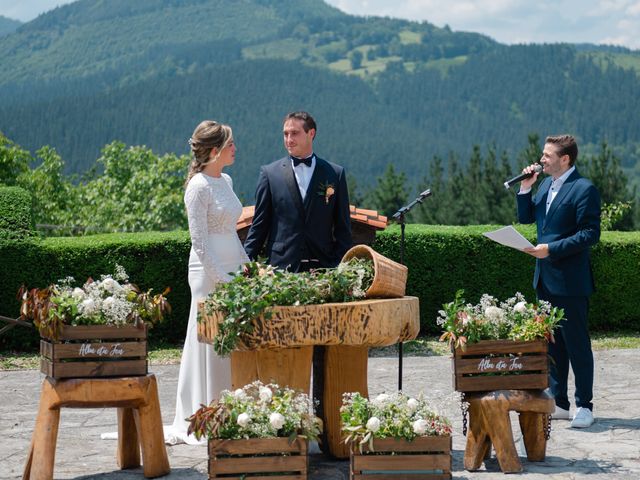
(207, 136)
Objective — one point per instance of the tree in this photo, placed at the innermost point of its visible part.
(605, 172)
(390, 192)
(356, 59)
(14, 161)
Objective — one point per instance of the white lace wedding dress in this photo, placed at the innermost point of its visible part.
(213, 210)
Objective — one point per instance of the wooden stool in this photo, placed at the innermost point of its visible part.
(489, 423)
(139, 421)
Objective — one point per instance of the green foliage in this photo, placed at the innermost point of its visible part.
(254, 289)
(389, 416)
(14, 161)
(107, 301)
(390, 192)
(257, 411)
(512, 319)
(613, 213)
(16, 220)
(137, 190)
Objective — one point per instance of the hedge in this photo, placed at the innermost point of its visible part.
(441, 259)
(16, 221)
(152, 260)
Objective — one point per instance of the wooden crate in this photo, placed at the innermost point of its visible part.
(257, 458)
(501, 365)
(91, 351)
(424, 458)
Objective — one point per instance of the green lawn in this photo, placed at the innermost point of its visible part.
(422, 347)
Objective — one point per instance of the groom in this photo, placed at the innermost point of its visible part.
(302, 205)
(302, 214)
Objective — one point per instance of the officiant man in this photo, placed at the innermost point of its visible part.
(301, 213)
(566, 209)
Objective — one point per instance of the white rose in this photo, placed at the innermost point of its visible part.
(243, 419)
(412, 404)
(520, 307)
(238, 394)
(276, 420)
(88, 306)
(493, 314)
(373, 425)
(265, 394)
(420, 426)
(381, 399)
(78, 294)
(109, 284)
(108, 303)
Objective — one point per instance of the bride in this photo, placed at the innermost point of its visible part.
(213, 210)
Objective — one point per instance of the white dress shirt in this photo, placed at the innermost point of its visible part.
(553, 189)
(556, 185)
(303, 175)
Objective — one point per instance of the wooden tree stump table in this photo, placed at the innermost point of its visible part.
(489, 423)
(139, 421)
(280, 349)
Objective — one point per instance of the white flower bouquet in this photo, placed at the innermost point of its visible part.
(257, 411)
(389, 416)
(112, 300)
(514, 319)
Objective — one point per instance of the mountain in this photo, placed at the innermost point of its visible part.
(383, 90)
(8, 25)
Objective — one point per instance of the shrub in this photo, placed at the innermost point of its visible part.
(16, 220)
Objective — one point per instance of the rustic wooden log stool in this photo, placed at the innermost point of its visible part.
(489, 423)
(139, 421)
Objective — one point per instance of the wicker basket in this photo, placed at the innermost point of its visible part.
(390, 278)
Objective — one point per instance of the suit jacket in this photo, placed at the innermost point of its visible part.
(318, 228)
(570, 228)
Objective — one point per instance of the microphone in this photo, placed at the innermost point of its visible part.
(509, 183)
(399, 215)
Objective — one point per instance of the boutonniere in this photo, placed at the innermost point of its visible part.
(326, 191)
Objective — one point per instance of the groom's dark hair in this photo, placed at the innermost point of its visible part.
(306, 118)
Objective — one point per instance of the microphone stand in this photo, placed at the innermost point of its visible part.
(399, 217)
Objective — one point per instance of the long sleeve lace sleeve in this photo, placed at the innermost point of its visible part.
(197, 199)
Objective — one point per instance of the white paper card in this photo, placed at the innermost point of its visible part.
(509, 237)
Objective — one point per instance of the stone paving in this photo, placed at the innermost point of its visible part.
(610, 449)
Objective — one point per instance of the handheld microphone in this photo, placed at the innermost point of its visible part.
(509, 183)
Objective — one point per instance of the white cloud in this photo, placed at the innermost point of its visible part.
(507, 21)
(25, 10)
(519, 21)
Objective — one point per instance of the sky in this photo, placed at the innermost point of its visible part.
(613, 22)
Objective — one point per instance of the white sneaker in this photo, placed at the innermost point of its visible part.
(582, 419)
(560, 414)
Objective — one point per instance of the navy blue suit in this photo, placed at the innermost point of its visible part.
(317, 228)
(565, 277)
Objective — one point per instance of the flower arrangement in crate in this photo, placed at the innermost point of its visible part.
(257, 421)
(257, 286)
(97, 330)
(499, 345)
(111, 301)
(514, 319)
(395, 433)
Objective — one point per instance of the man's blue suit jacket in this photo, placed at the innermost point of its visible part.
(317, 228)
(570, 228)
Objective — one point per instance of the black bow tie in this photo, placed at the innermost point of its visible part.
(297, 161)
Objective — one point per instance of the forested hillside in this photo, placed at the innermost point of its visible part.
(383, 91)
(8, 25)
